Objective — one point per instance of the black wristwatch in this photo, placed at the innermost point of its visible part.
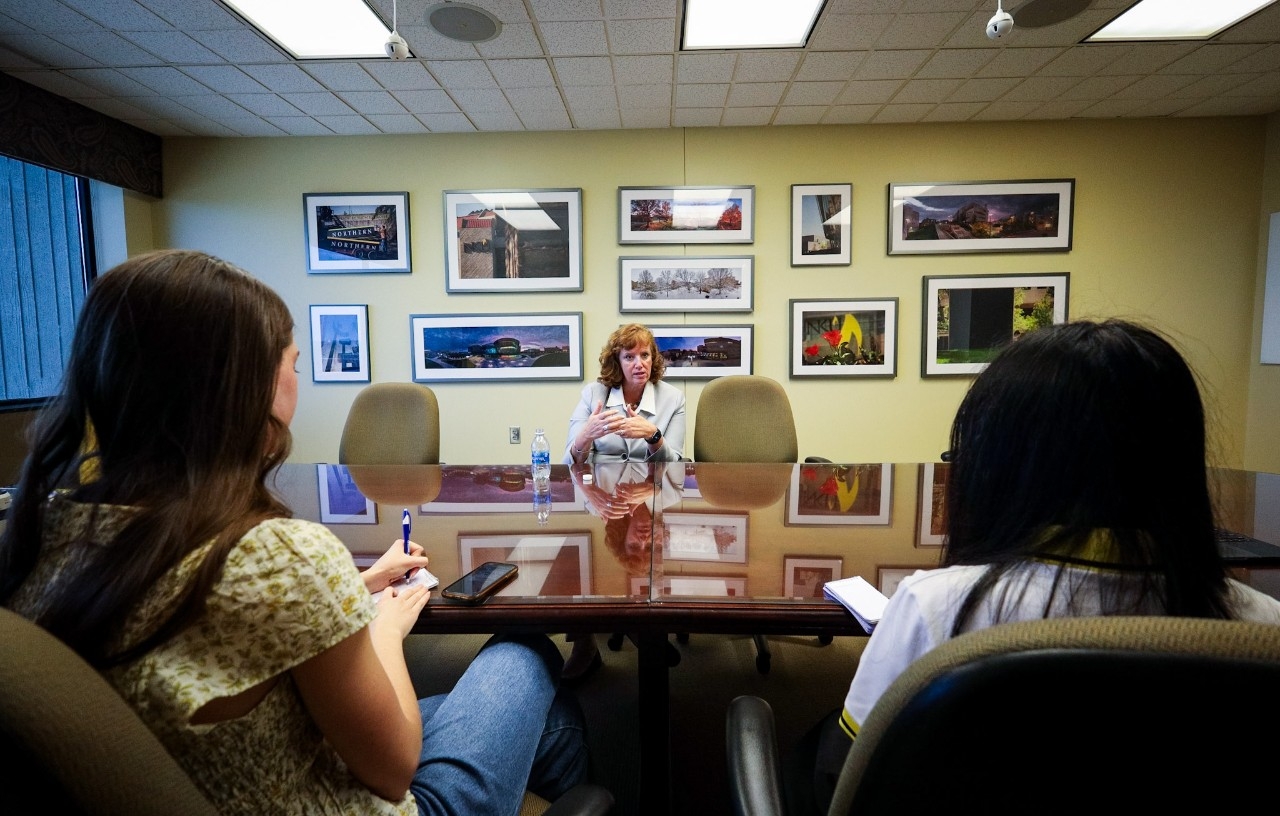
(656, 438)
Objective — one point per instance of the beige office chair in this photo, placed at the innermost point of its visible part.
(747, 418)
(1065, 716)
(392, 424)
(70, 745)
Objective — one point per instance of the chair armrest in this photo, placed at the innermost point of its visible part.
(755, 783)
(817, 460)
(582, 800)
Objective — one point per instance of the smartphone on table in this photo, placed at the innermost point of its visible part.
(481, 582)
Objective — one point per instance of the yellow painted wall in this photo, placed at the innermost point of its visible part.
(1262, 436)
(1166, 231)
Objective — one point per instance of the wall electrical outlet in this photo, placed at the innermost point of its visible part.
(513, 434)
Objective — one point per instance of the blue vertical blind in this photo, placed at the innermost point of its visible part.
(42, 277)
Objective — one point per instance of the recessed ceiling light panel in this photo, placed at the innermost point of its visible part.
(1177, 20)
(738, 24)
(317, 29)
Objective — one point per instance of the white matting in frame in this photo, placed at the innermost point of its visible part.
(821, 224)
(838, 494)
(513, 240)
(705, 352)
(844, 338)
(356, 232)
(805, 575)
(724, 283)
(686, 215)
(340, 343)
(704, 586)
(550, 563)
(981, 216)
(968, 319)
(457, 348)
(706, 537)
(341, 502)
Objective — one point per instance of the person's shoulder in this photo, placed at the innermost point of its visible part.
(664, 389)
(298, 536)
(1253, 605)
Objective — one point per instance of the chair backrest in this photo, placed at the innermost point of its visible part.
(1074, 715)
(70, 744)
(392, 424)
(744, 418)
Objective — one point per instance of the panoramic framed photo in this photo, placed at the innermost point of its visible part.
(473, 347)
(513, 240)
(981, 216)
(684, 284)
(968, 319)
(844, 338)
(705, 537)
(805, 575)
(356, 232)
(705, 352)
(550, 564)
(821, 224)
(340, 343)
(704, 586)
(686, 215)
(931, 521)
(341, 501)
(485, 489)
(835, 494)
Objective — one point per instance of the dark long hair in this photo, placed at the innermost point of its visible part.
(170, 386)
(623, 338)
(1078, 428)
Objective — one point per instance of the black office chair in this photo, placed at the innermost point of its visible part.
(747, 418)
(1073, 715)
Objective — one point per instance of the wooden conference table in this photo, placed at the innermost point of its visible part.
(652, 550)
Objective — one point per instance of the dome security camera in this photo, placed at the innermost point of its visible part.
(397, 48)
(1000, 24)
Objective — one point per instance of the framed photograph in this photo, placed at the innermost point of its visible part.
(844, 338)
(981, 216)
(340, 343)
(485, 489)
(356, 232)
(686, 215)
(705, 284)
(474, 347)
(805, 575)
(931, 521)
(513, 240)
(821, 224)
(888, 578)
(341, 502)
(706, 537)
(705, 352)
(550, 563)
(839, 494)
(691, 489)
(968, 319)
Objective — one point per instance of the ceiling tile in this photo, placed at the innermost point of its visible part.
(300, 126)
(829, 65)
(713, 95)
(812, 93)
(954, 63)
(761, 66)
(902, 113)
(348, 125)
(717, 67)
(283, 78)
(755, 94)
(224, 79)
(446, 122)
(697, 117)
(800, 114)
(521, 73)
(341, 76)
(643, 70)
(37, 49)
(574, 39)
(646, 118)
(1040, 89)
(848, 32)
(983, 90)
(120, 15)
(597, 119)
(496, 120)
(860, 92)
(641, 36)
(406, 75)
(108, 47)
(319, 104)
(953, 111)
(850, 114)
(746, 117)
(168, 81)
(920, 30)
(397, 123)
(264, 104)
(644, 96)
(482, 99)
(432, 101)
(462, 74)
(1019, 62)
(926, 90)
(559, 10)
(891, 64)
(630, 9)
(372, 102)
(173, 46)
(584, 70)
(514, 41)
(582, 98)
(241, 47)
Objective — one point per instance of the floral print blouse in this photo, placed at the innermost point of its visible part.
(289, 590)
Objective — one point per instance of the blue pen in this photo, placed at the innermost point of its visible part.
(406, 524)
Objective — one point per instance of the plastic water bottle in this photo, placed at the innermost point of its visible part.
(541, 451)
(542, 503)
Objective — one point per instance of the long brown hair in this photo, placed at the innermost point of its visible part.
(623, 338)
(172, 377)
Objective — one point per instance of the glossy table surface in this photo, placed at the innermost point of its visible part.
(711, 547)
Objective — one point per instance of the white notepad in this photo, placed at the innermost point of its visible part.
(859, 597)
(422, 577)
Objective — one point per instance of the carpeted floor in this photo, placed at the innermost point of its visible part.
(805, 682)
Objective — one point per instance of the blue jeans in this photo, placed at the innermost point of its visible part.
(504, 729)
